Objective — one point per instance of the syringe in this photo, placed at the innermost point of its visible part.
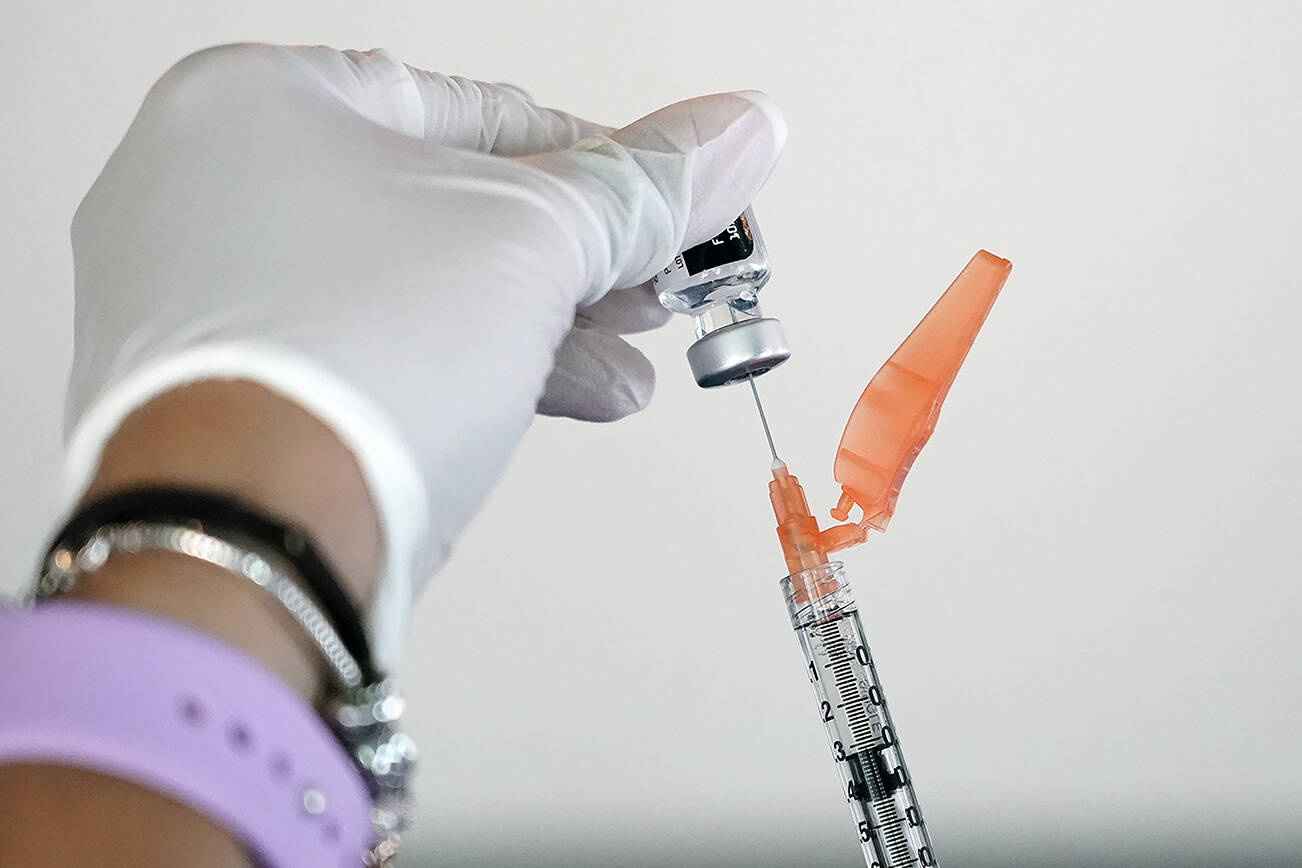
(848, 694)
(891, 422)
(851, 704)
(717, 282)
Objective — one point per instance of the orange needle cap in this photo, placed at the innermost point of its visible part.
(897, 412)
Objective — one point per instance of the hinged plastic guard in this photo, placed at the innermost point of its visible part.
(897, 412)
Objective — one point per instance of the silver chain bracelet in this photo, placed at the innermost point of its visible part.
(364, 717)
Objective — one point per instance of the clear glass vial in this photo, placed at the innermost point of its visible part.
(717, 283)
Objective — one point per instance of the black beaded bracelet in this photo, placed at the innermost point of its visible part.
(222, 514)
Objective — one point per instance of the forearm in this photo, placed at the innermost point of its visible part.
(231, 437)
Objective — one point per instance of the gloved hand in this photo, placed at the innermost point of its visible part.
(420, 261)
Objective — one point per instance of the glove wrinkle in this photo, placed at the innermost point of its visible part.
(493, 118)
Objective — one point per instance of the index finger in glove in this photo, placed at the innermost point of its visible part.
(631, 200)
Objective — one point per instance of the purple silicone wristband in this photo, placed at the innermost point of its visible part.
(147, 700)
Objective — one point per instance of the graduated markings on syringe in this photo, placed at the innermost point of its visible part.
(870, 735)
(852, 703)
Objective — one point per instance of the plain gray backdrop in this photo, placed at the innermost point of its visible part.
(1086, 612)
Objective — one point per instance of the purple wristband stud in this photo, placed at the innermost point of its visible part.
(179, 712)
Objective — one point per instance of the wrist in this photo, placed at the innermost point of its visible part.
(239, 439)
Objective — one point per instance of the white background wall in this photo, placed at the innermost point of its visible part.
(1086, 612)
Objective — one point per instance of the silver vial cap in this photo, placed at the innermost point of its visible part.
(737, 351)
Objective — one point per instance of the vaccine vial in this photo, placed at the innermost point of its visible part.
(717, 283)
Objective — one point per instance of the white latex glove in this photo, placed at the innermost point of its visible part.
(401, 253)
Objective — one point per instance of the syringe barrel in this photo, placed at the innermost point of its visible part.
(852, 706)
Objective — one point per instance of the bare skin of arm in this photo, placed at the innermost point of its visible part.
(233, 437)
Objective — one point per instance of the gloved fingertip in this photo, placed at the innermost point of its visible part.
(634, 390)
(597, 378)
(772, 112)
(667, 182)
